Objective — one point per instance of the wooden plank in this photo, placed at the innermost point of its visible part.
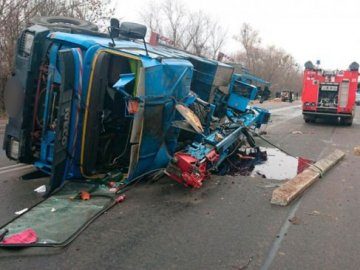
(290, 190)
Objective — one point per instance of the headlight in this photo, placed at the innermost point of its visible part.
(28, 42)
(14, 148)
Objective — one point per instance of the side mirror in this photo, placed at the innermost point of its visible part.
(133, 30)
(354, 66)
(309, 65)
(114, 28)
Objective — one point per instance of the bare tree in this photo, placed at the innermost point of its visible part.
(195, 31)
(200, 32)
(16, 14)
(218, 37)
(175, 14)
(250, 40)
(152, 17)
(270, 63)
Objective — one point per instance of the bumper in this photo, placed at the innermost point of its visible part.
(325, 114)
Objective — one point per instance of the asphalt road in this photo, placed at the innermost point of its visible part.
(227, 224)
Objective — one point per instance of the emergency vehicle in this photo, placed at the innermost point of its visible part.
(329, 94)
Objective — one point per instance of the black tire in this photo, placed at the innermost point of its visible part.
(308, 119)
(348, 121)
(75, 25)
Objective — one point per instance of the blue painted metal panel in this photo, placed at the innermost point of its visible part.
(87, 61)
(166, 83)
(240, 93)
(76, 115)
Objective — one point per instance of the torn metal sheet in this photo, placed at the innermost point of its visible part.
(190, 117)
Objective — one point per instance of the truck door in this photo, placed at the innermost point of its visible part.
(63, 116)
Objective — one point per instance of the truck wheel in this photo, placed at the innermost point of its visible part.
(348, 121)
(76, 25)
(308, 119)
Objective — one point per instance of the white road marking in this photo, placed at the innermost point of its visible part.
(16, 169)
(12, 166)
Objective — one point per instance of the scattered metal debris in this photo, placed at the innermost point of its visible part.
(245, 266)
(318, 213)
(243, 161)
(314, 213)
(294, 220)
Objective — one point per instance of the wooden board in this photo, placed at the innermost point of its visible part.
(290, 190)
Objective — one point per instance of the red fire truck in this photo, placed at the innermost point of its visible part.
(329, 94)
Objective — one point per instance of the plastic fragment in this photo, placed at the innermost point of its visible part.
(84, 195)
(22, 211)
(120, 199)
(294, 220)
(112, 184)
(113, 190)
(27, 236)
(40, 189)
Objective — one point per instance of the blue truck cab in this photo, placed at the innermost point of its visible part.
(86, 104)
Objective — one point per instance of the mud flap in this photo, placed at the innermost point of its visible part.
(67, 69)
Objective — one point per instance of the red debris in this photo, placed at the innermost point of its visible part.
(27, 236)
(112, 184)
(190, 171)
(120, 199)
(303, 164)
(84, 195)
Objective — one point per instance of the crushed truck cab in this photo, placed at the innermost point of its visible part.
(87, 105)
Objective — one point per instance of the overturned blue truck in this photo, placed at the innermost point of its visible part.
(88, 105)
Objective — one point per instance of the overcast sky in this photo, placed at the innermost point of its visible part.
(328, 30)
